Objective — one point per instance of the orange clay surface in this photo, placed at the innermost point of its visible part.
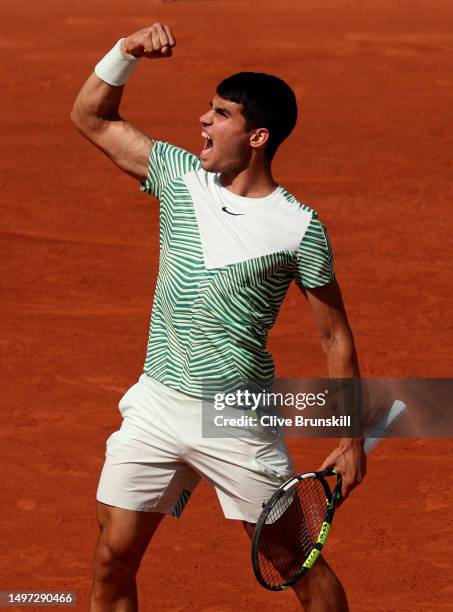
(372, 153)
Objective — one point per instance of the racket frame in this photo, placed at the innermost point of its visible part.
(332, 498)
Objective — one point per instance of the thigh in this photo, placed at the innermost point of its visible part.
(125, 534)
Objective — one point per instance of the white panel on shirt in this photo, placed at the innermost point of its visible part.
(234, 229)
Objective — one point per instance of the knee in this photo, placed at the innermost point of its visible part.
(320, 578)
(320, 573)
(111, 567)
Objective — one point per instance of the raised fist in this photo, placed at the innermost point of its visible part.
(154, 42)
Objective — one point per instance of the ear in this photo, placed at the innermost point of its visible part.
(259, 137)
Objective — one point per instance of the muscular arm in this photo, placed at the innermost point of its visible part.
(337, 343)
(96, 109)
(326, 305)
(96, 116)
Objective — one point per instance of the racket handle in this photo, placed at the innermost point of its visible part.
(373, 435)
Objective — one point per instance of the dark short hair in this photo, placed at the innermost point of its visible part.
(267, 101)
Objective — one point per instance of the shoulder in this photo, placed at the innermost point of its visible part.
(166, 164)
(298, 207)
(313, 231)
(302, 214)
(171, 154)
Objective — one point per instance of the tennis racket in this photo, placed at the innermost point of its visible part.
(293, 526)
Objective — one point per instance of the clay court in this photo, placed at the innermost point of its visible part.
(372, 153)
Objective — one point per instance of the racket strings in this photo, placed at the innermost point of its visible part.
(291, 530)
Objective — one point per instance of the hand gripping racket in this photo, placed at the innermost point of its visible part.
(294, 524)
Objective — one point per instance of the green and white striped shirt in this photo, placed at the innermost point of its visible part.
(226, 263)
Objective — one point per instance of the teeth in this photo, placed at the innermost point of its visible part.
(207, 142)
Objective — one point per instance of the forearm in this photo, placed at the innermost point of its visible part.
(96, 111)
(342, 363)
(99, 99)
(338, 345)
(341, 357)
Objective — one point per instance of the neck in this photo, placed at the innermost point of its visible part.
(254, 181)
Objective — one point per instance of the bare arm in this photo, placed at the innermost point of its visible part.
(337, 342)
(326, 305)
(96, 109)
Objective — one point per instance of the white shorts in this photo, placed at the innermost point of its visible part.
(155, 460)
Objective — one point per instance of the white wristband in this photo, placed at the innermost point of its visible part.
(116, 67)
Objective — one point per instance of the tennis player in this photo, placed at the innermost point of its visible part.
(231, 241)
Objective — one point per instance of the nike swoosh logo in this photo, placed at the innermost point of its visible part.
(225, 209)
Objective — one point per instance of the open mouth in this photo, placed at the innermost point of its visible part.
(208, 144)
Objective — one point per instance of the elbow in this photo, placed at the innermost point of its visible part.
(74, 117)
(88, 125)
(77, 118)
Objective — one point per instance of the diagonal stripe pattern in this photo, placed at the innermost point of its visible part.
(214, 324)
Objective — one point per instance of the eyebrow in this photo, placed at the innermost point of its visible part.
(220, 109)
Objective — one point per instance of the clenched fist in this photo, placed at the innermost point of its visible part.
(153, 42)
